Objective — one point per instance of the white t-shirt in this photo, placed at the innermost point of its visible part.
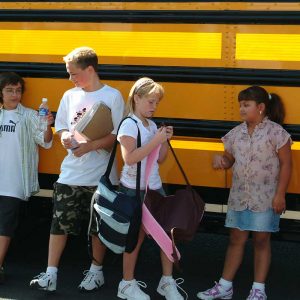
(128, 175)
(10, 151)
(87, 169)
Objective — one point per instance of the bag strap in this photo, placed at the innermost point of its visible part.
(174, 253)
(150, 163)
(113, 154)
(178, 163)
(92, 216)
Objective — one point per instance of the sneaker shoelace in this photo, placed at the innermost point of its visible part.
(45, 276)
(88, 276)
(141, 283)
(42, 275)
(136, 285)
(177, 283)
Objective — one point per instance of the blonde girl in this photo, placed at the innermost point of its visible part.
(143, 101)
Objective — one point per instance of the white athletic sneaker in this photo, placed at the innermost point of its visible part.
(132, 291)
(92, 281)
(257, 294)
(168, 289)
(45, 281)
(216, 292)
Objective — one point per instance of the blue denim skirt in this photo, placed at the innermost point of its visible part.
(266, 221)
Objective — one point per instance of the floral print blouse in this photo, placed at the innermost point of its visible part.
(256, 166)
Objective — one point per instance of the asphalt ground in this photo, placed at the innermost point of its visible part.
(202, 262)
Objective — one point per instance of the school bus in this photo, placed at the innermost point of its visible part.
(203, 52)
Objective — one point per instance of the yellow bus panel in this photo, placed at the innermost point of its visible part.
(278, 47)
(113, 43)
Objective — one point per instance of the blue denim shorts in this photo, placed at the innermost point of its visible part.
(266, 221)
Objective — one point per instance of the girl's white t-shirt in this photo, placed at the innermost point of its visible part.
(128, 174)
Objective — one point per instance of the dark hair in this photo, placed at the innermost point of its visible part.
(274, 106)
(7, 78)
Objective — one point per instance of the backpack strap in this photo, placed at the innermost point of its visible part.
(89, 236)
(113, 154)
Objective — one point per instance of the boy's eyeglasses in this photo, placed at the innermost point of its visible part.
(12, 91)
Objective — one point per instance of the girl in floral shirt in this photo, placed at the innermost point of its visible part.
(259, 152)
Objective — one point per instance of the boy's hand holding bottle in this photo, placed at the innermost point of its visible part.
(50, 118)
(45, 116)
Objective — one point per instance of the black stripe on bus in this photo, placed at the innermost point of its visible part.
(236, 76)
(163, 1)
(211, 128)
(152, 16)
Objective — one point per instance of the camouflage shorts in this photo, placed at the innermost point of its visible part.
(71, 206)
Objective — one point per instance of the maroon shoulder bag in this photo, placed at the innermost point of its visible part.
(179, 214)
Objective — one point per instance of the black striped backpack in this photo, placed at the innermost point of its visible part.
(118, 216)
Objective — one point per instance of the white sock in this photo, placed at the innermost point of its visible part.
(127, 281)
(166, 278)
(259, 285)
(51, 270)
(95, 268)
(225, 283)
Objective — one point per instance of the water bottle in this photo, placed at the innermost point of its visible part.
(43, 112)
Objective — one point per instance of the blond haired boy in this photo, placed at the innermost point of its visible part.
(82, 167)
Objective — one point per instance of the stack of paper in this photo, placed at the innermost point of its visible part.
(96, 123)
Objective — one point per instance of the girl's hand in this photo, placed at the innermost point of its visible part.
(161, 135)
(169, 130)
(278, 204)
(219, 162)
